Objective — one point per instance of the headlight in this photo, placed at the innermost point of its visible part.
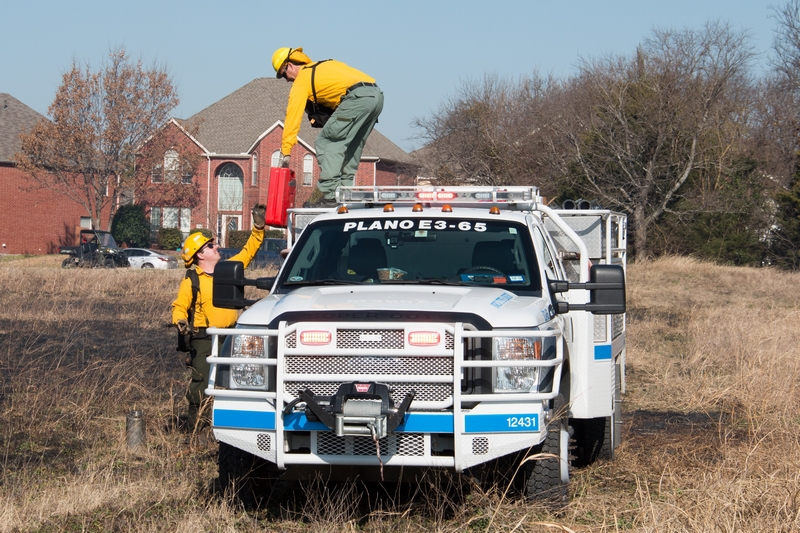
(248, 376)
(513, 378)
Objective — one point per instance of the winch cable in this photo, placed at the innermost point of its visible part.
(374, 431)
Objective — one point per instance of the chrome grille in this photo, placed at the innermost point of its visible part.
(425, 392)
(350, 339)
(349, 364)
(395, 366)
(362, 339)
(406, 444)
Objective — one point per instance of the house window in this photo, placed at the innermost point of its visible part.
(155, 222)
(170, 217)
(255, 170)
(308, 170)
(231, 188)
(172, 166)
(276, 158)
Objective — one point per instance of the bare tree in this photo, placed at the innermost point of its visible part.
(98, 120)
(492, 132)
(787, 44)
(641, 126)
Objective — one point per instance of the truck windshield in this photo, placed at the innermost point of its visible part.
(397, 250)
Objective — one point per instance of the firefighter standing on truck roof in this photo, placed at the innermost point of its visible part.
(202, 252)
(356, 100)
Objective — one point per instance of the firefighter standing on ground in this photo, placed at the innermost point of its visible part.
(201, 252)
(357, 101)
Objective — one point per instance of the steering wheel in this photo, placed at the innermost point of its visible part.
(484, 267)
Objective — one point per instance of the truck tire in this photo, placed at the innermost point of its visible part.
(245, 478)
(69, 262)
(545, 483)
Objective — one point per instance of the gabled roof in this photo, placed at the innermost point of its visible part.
(15, 118)
(232, 125)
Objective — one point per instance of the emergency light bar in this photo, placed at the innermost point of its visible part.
(438, 195)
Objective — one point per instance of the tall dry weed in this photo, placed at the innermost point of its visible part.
(711, 424)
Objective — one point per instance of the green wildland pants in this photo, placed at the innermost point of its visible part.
(201, 349)
(341, 141)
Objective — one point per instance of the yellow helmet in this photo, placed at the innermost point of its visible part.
(192, 245)
(282, 55)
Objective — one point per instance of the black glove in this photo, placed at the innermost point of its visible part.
(183, 326)
(285, 161)
(259, 212)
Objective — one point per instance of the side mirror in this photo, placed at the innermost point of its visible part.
(229, 285)
(606, 289)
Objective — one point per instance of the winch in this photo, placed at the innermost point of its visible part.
(356, 409)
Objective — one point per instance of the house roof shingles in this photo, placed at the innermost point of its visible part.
(15, 118)
(233, 124)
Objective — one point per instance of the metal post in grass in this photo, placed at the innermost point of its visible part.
(135, 429)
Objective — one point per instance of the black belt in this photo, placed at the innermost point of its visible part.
(360, 84)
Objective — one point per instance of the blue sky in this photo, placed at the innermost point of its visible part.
(419, 51)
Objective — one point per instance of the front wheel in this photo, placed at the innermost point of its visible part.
(245, 478)
(69, 262)
(547, 470)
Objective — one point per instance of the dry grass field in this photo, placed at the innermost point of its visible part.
(711, 432)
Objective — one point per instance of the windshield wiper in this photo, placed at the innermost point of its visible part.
(425, 282)
(316, 282)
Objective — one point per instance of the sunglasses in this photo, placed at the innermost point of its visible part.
(207, 246)
(282, 71)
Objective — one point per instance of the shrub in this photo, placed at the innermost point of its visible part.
(275, 234)
(130, 226)
(170, 239)
(237, 238)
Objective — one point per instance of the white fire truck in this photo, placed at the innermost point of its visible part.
(432, 327)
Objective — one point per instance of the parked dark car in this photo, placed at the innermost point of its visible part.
(97, 249)
(268, 255)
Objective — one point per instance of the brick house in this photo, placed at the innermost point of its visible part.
(33, 220)
(239, 139)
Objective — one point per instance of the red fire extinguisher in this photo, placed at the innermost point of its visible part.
(280, 196)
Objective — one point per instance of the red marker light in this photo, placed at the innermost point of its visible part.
(315, 338)
(424, 338)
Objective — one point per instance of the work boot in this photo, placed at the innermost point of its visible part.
(317, 200)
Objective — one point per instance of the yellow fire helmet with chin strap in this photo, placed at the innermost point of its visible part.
(192, 245)
(282, 55)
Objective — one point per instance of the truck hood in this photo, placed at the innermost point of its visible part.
(498, 307)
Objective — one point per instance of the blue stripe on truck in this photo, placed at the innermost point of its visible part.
(602, 352)
(414, 422)
(501, 423)
(244, 419)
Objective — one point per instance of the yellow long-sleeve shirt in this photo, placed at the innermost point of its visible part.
(331, 81)
(205, 314)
